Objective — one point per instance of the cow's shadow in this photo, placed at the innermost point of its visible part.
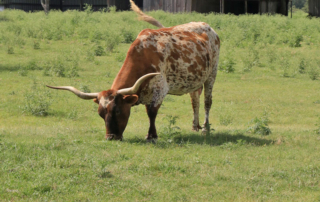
(214, 139)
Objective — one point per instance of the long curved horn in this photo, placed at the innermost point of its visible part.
(86, 96)
(135, 87)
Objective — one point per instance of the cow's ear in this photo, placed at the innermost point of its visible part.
(131, 99)
(96, 100)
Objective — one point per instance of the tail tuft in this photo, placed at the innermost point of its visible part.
(144, 17)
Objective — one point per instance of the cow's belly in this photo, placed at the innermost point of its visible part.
(170, 83)
(185, 83)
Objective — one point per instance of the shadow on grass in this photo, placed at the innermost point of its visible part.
(9, 68)
(105, 174)
(215, 139)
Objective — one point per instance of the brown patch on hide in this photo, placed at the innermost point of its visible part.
(175, 54)
(173, 67)
(217, 42)
(192, 69)
(161, 44)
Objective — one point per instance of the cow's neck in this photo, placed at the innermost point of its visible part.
(127, 77)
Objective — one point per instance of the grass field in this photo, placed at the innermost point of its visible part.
(52, 145)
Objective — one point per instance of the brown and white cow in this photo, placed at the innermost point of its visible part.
(176, 60)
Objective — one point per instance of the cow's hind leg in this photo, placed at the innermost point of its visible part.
(195, 101)
(152, 114)
(208, 85)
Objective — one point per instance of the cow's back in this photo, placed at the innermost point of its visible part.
(185, 54)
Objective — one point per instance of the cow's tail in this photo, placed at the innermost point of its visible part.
(144, 17)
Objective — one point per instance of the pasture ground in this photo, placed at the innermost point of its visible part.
(269, 67)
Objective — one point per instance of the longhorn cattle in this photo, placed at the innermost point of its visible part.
(175, 60)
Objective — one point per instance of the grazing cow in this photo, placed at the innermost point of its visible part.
(175, 60)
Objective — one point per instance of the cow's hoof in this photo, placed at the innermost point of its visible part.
(151, 139)
(113, 137)
(204, 131)
(196, 128)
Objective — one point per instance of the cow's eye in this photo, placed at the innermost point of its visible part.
(117, 111)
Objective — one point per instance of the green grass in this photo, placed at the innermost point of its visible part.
(63, 156)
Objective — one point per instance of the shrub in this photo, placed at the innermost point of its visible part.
(37, 101)
(296, 41)
(260, 125)
(85, 88)
(10, 50)
(32, 65)
(60, 67)
(302, 66)
(36, 45)
(112, 42)
(128, 36)
(228, 65)
(112, 9)
(313, 73)
(88, 9)
(72, 72)
(99, 51)
(250, 60)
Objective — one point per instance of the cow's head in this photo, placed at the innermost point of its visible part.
(114, 106)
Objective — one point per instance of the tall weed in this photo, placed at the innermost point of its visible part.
(37, 101)
(170, 129)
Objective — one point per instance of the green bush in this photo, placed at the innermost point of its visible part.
(32, 65)
(10, 50)
(260, 125)
(37, 101)
(128, 36)
(302, 66)
(250, 60)
(112, 41)
(99, 51)
(112, 9)
(36, 45)
(61, 67)
(85, 88)
(313, 73)
(296, 41)
(227, 65)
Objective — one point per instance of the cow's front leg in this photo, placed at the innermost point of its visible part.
(152, 114)
(195, 101)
